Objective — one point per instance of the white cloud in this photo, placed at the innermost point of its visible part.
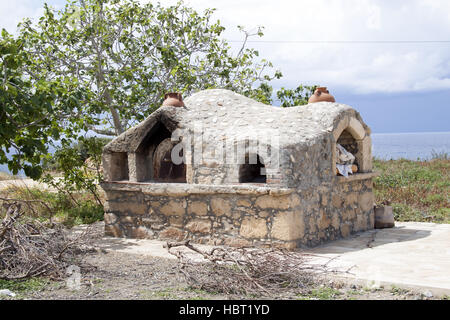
(361, 68)
(14, 11)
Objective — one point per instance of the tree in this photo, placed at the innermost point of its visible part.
(126, 55)
(295, 97)
(80, 167)
(33, 111)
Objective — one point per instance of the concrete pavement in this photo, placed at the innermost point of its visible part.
(410, 255)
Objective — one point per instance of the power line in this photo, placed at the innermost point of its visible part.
(346, 41)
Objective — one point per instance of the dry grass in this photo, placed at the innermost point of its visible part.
(417, 190)
(67, 208)
(7, 176)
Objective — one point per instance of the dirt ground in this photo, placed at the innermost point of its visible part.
(120, 276)
(112, 275)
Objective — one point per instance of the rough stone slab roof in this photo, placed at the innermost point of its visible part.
(223, 113)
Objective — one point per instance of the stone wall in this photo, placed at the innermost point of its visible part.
(346, 207)
(239, 215)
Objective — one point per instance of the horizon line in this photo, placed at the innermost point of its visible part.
(409, 132)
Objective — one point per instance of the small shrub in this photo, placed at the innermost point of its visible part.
(78, 166)
(165, 294)
(433, 199)
(20, 286)
(325, 293)
(398, 291)
(441, 155)
(404, 212)
(67, 208)
(82, 150)
(86, 213)
(417, 190)
(441, 215)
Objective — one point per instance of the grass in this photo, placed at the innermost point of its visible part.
(324, 293)
(439, 155)
(416, 190)
(166, 294)
(23, 286)
(353, 292)
(70, 210)
(186, 293)
(7, 176)
(398, 291)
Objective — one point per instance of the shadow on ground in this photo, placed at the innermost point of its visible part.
(371, 239)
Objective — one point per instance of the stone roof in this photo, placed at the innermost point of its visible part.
(225, 113)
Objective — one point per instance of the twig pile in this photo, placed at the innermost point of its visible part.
(28, 248)
(250, 271)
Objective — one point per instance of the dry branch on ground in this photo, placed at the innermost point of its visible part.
(28, 248)
(250, 271)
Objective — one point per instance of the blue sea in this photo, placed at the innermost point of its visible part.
(413, 146)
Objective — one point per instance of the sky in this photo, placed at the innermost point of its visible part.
(373, 55)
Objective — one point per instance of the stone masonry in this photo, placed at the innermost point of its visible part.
(301, 202)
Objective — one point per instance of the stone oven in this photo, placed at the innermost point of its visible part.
(225, 169)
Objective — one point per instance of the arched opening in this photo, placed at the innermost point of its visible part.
(351, 135)
(153, 157)
(165, 168)
(251, 172)
(350, 144)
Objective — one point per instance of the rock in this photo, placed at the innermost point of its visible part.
(220, 207)
(199, 226)
(384, 217)
(428, 294)
(174, 207)
(365, 201)
(345, 230)
(253, 228)
(288, 226)
(243, 203)
(113, 230)
(110, 218)
(7, 292)
(337, 201)
(127, 207)
(197, 207)
(141, 232)
(171, 234)
(324, 221)
(233, 242)
(268, 201)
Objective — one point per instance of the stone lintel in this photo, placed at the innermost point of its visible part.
(357, 177)
(182, 189)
